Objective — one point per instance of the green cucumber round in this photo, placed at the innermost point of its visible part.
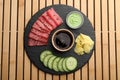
(55, 64)
(60, 65)
(46, 59)
(44, 54)
(64, 65)
(71, 63)
(50, 62)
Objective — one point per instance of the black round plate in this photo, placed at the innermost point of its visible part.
(34, 52)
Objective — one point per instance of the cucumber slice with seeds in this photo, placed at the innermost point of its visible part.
(46, 59)
(55, 64)
(64, 65)
(71, 63)
(44, 54)
(60, 65)
(50, 62)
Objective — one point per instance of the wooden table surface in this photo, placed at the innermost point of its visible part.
(104, 63)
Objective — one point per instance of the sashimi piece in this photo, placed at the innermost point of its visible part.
(49, 20)
(38, 38)
(42, 27)
(41, 43)
(40, 24)
(46, 23)
(32, 42)
(53, 15)
(39, 28)
(35, 31)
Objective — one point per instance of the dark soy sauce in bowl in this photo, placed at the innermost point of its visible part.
(63, 40)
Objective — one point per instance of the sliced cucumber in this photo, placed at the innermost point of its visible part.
(71, 63)
(46, 59)
(64, 65)
(60, 65)
(50, 62)
(44, 53)
(55, 64)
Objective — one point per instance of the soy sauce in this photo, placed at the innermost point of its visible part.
(63, 40)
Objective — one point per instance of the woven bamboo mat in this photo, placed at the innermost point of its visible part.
(104, 63)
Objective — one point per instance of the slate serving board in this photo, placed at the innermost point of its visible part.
(34, 52)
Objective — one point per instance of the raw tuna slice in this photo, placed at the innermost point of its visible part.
(32, 42)
(41, 43)
(53, 15)
(35, 31)
(49, 20)
(38, 38)
(46, 23)
(39, 28)
(40, 24)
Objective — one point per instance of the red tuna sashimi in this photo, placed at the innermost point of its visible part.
(39, 28)
(32, 42)
(49, 20)
(38, 38)
(46, 23)
(53, 15)
(40, 24)
(35, 31)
